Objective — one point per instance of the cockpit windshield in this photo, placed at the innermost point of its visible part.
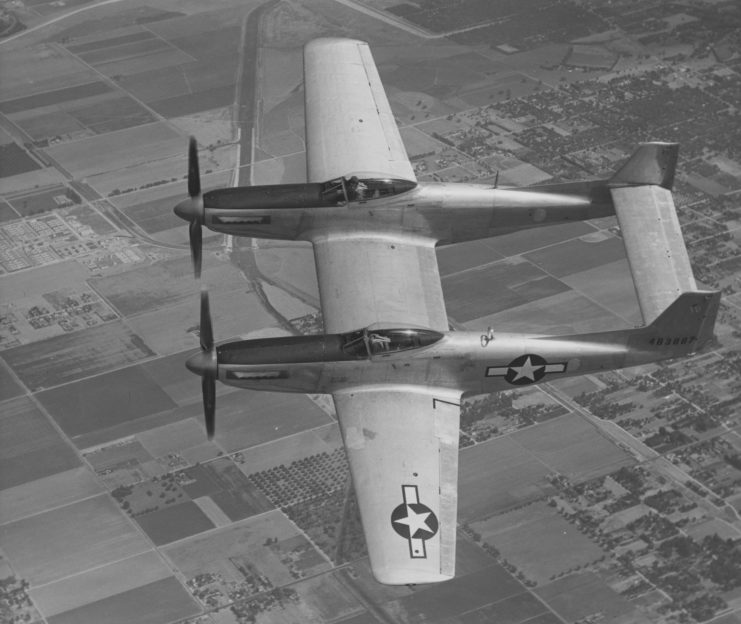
(370, 341)
(355, 189)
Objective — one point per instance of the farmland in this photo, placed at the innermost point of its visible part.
(114, 505)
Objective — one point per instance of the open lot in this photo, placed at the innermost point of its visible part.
(105, 401)
(69, 540)
(30, 447)
(70, 357)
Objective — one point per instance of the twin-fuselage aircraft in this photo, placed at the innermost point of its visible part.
(396, 372)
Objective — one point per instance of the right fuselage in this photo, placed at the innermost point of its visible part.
(463, 361)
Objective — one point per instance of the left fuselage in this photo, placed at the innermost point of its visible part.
(445, 212)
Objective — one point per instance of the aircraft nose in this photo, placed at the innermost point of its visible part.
(203, 362)
(190, 209)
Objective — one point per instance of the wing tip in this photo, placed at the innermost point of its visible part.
(322, 43)
(401, 576)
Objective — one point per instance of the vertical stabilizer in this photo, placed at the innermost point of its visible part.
(651, 163)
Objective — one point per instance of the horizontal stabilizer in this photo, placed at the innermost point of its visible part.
(654, 245)
(651, 163)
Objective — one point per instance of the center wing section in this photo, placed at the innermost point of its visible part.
(402, 445)
(350, 129)
(369, 278)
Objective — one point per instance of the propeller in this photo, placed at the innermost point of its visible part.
(192, 209)
(206, 365)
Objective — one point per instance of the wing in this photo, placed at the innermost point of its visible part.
(366, 278)
(350, 129)
(402, 444)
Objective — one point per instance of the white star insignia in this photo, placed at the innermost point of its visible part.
(526, 370)
(415, 521)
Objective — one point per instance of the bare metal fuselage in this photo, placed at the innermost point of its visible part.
(463, 361)
(445, 212)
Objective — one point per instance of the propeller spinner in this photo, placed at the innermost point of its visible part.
(192, 209)
(206, 365)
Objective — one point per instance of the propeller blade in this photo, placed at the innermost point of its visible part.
(194, 177)
(206, 331)
(196, 246)
(208, 385)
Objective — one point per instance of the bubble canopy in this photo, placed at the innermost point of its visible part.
(374, 340)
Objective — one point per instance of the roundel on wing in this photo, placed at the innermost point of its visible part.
(414, 521)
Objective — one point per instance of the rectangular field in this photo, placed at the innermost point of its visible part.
(463, 256)
(578, 255)
(111, 115)
(162, 601)
(156, 215)
(574, 447)
(535, 238)
(166, 283)
(497, 475)
(566, 313)
(69, 540)
(91, 586)
(55, 490)
(538, 541)
(191, 103)
(287, 449)
(117, 150)
(461, 594)
(30, 447)
(69, 357)
(105, 401)
(9, 387)
(580, 595)
(57, 96)
(49, 125)
(110, 41)
(174, 523)
(15, 160)
(488, 289)
(221, 550)
(516, 609)
(248, 418)
(611, 286)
